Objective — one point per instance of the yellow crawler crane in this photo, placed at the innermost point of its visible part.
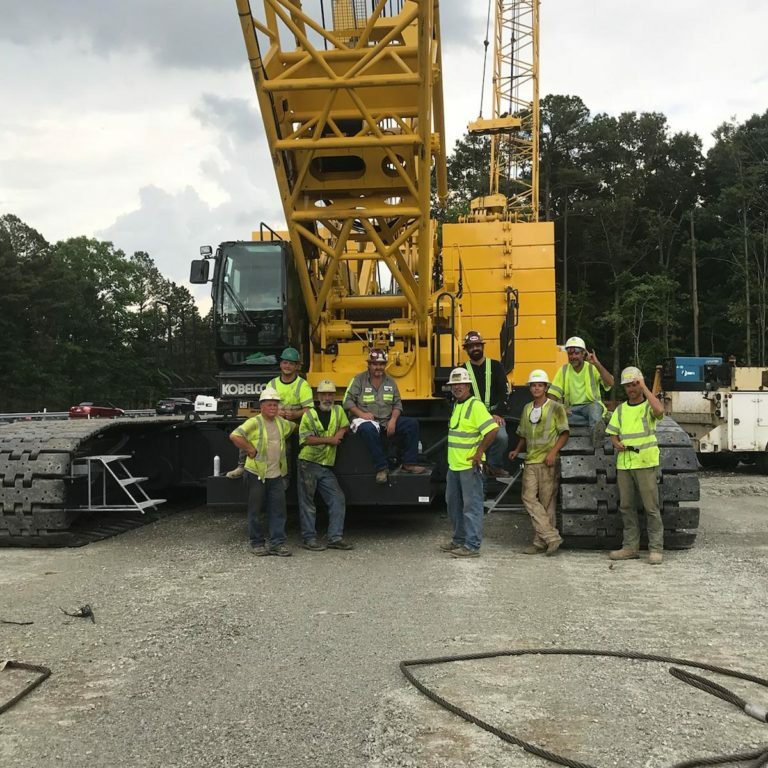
(353, 112)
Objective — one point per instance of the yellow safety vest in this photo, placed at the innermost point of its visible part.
(470, 422)
(487, 399)
(312, 426)
(541, 437)
(560, 385)
(635, 426)
(296, 394)
(258, 464)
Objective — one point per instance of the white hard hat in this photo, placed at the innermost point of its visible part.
(459, 376)
(326, 385)
(269, 393)
(538, 376)
(630, 374)
(575, 341)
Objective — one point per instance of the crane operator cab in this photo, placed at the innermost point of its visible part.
(257, 311)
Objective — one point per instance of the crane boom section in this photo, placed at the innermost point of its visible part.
(353, 112)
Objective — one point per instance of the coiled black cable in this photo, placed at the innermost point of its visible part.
(758, 757)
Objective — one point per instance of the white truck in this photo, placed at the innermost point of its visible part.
(724, 408)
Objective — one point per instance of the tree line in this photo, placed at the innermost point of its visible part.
(82, 321)
(661, 249)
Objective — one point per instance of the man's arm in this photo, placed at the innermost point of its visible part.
(519, 448)
(653, 401)
(605, 376)
(488, 438)
(392, 421)
(351, 398)
(551, 457)
(243, 444)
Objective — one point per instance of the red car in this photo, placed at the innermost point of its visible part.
(92, 411)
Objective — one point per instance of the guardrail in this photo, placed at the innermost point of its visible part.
(54, 415)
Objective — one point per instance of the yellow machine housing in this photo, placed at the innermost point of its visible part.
(353, 112)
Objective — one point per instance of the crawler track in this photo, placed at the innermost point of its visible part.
(40, 502)
(589, 516)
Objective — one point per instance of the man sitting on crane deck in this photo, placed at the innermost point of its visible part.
(489, 385)
(578, 383)
(373, 400)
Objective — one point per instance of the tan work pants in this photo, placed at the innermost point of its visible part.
(540, 501)
(643, 483)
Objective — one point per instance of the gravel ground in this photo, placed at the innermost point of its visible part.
(202, 655)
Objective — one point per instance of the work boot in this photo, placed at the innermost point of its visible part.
(382, 476)
(279, 551)
(233, 474)
(340, 544)
(552, 547)
(259, 550)
(449, 546)
(464, 552)
(655, 558)
(534, 550)
(312, 544)
(623, 554)
(496, 471)
(414, 469)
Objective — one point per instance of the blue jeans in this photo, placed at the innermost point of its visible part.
(316, 477)
(497, 451)
(586, 414)
(464, 498)
(406, 432)
(266, 499)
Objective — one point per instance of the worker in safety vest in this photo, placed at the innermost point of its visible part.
(632, 429)
(263, 438)
(578, 385)
(321, 431)
(471, 430)
(490, 385)
(295, 397)
(295, 393)
(543, 432)
(373, 401)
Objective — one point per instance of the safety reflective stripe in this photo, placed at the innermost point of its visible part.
(592, 376)
(475, 390)
(332, 422)
(630, 438)
(558, 391)
(349, 386)
(462, 439)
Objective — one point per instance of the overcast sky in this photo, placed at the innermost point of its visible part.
(137, 121)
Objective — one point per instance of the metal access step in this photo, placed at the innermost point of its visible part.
(115, 477)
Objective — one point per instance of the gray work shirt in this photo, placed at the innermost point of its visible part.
(380, 402)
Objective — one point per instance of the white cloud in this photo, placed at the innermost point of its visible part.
(138, 122)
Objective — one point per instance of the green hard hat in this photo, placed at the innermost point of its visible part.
(290, 354)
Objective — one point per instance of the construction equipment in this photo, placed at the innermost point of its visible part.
(723, 408)
(352, 103)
